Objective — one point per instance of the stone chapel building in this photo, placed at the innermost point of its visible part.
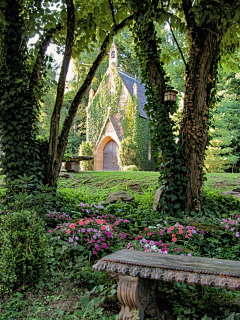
(115, 112)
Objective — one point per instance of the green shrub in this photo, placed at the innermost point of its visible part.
(128, 153)
(217, 204)
(131, 168)
(25, 193)
(24, 249)
(86, 149)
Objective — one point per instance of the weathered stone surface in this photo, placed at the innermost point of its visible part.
(234, 194)
(78, 158)
(157, 198)
(136, 295)
(138, 271)
(117, 196)
(236, 190)
(72, 166)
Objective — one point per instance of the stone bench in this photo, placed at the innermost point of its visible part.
(72, 163)
(139, 271)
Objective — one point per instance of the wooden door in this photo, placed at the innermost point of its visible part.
(110, 157)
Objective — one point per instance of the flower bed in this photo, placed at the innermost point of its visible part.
(99, 234)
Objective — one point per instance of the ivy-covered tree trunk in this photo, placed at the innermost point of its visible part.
(18, 107)
(182, 172)
(172, 197)
(205, 39)
(200, 76)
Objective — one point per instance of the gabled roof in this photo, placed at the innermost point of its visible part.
(129, 82)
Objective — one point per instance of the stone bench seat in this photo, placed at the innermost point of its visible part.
(72, 163)
(138, 273)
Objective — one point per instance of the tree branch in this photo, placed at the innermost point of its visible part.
(187, 5)
(54, 128)
(112, 11)
(77, 100)
(175, 39)
(41, 56)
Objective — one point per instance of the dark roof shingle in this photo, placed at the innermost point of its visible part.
(129, 82)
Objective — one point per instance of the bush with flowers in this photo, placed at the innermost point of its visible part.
(97, 235)
(172, 239)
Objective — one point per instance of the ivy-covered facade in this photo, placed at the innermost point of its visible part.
(116, 112)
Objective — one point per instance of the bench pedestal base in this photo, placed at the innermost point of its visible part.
(137, 297)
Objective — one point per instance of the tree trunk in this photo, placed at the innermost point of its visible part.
(194, 124)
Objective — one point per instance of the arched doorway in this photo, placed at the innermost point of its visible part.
(110, 156)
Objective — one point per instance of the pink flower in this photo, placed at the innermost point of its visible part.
(164, 245)
(139, 236)
(100, 221)
(174, 239)
(122, 235)
(68, 231)
(116, 223)
(149, 233)
(227, 226)
(94, 252)
(128, 245)
(80, 222)
(49, 230)
(202, 232)
(236, 216)
(171, 228)
(136, 238)
(146, 229)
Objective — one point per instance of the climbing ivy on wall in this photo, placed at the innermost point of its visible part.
(104, 105)
(108, 100)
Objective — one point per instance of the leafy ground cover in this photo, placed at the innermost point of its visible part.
(82, 230)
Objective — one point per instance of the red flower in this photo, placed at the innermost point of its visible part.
(174, 239)
(100, 221)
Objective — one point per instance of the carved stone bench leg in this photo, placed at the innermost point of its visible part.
(136, 295)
